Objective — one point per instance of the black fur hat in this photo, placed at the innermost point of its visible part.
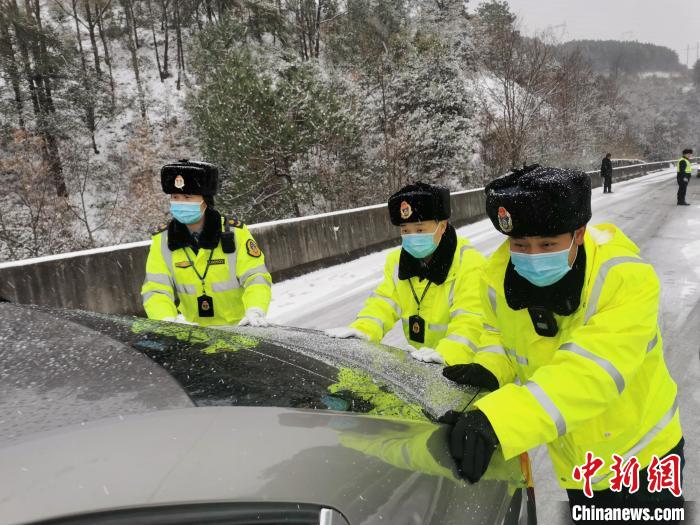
(189, 177)
(419, 202)
(538, 200)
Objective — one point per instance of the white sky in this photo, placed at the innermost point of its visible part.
(671, 23)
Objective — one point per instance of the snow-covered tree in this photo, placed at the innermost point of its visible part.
(257, 118)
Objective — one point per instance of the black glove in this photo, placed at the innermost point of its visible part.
(471, 374)
(450, 417)
(472, 443)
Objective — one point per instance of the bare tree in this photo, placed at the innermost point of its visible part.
(87, 99)
(9, 62)
(131, 44)
(308, 20)
(38, 71)
(179, 49)
(518, 79)
(86, 175)
(165, 27)
(34, 221)
(90, 24)
(101, 10)
(129, 7)
(155, 41)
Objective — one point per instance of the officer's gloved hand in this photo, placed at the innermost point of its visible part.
(472, 374)
(472, 443)
(346, 332)
(254, 317)
(428, 355)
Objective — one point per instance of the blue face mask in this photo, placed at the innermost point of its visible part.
(186, 212)
(542, 269)
(419, 245)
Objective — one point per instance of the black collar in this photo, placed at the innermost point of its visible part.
(562, 297)
(179, 235)
(439, 266)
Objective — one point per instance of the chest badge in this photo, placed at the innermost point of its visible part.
(205, 306)
(505, 221)
(406, 210)
(183, 264)
(179, 182)
(416, 325)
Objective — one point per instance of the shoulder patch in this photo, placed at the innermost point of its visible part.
(234, 221)
(252, 248)
(161, 228)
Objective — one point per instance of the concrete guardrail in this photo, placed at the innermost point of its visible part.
(109, 279)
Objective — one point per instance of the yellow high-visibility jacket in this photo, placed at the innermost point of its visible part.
(685, 169)
(601, 384)
(235, 281)
(452, 310)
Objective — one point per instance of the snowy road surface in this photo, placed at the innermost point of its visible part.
(645, 209)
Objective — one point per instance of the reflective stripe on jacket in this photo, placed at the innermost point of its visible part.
(452, 310)
(601, 384)
(236, 281)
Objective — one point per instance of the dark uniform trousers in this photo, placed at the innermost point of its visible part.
(682, 179)
(607, 184)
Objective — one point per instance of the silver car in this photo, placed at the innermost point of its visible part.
(122, 420)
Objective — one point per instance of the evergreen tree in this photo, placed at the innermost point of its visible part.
(258, 120)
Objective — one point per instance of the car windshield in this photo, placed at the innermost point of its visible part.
(65, 367)
(221, 368)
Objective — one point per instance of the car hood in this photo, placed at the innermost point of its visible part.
(56, 372)
(373, 470)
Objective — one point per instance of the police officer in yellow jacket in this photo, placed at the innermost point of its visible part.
(684, 170)
(202, 267)
(571, 345)
(431, 283)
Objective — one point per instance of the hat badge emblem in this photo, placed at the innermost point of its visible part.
(179, 182)
(505, 221)
(406, 210)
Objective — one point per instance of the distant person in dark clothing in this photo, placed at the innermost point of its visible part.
(606, 173)
(683, 176)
